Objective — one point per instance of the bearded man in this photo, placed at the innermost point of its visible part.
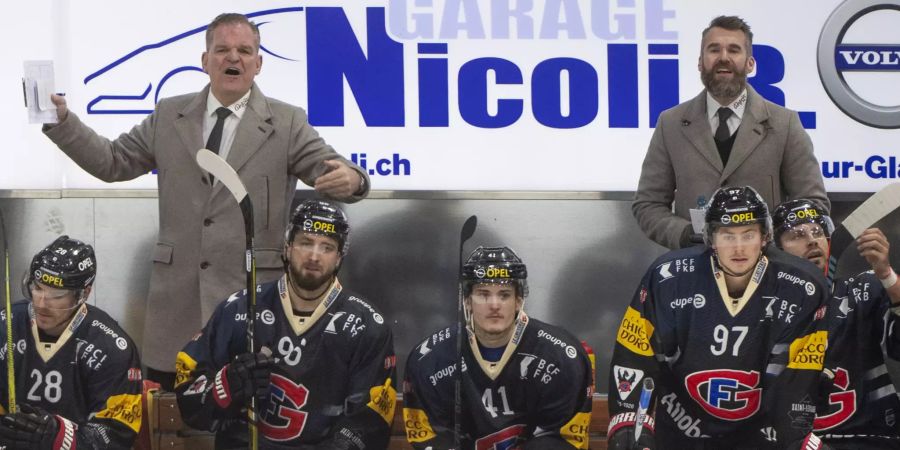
(728, 135)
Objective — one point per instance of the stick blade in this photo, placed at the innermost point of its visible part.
(875, 208)
(468, 229)
(219, 168)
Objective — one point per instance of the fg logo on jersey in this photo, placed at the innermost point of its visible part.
(283, 420)
(841, 403)
(726, 394)
(505, 439)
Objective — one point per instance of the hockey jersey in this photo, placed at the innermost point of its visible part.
(90, 376)
(541, 386)
(332, 381)
(862, 405)
(728, 372)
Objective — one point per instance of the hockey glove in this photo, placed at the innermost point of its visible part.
(34, 428)
(247, 375)
(624, 440)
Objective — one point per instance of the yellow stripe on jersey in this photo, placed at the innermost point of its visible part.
(576, 431)
(634, 333)
(808, 352)
(125, 408)
(184, 365)
(418, 429)
(383, 400)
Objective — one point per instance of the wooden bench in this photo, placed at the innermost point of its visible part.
(166, 430)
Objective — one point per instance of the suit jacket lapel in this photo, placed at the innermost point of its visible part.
(752, 131)
(189, 124)
(252, 131)
(695, 127)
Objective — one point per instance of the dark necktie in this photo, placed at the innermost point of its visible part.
(215, 137)
(722, 133)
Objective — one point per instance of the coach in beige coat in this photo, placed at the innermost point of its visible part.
(197, 261)
(764, 144)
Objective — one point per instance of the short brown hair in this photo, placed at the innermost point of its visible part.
(230, 18)
(732, 23)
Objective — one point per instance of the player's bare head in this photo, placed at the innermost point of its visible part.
(736, 206)
(802, 228)
(730, 23)
(59, 279)
(230, 19)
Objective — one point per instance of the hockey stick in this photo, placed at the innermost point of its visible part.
(643, 405)
(10, 349)
(467, 231)
(863, 217)
(218, 168)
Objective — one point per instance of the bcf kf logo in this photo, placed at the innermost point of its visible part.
(726, 394)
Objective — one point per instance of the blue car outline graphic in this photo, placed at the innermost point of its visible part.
(92, 106)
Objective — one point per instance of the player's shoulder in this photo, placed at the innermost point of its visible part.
(683, 261)
(436, 348)
(793, 270)
(552, 342)
(103, 331)
(364, 309)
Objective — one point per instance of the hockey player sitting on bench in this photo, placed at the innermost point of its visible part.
(77, 374)
(525, 384)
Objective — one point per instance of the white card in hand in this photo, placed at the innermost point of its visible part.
(38, 84)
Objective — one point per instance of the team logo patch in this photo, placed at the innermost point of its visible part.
(634, 333)
(283, 419)
(626, 380)
(198, 387)
(808, 352)
(841, 404)
(730, 395)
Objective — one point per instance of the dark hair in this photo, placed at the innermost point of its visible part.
(732, 23)
(230, 18)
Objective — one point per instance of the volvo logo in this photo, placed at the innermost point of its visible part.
(836, 57)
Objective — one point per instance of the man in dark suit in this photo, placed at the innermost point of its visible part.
(728, 135)
(197, 259)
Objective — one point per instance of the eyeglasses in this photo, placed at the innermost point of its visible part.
(802, 233)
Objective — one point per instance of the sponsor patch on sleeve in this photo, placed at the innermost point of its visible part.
(184, 365)
(634, 333)
(575, 432)
(808, 352)
(383, 399)
(418, 429)
(125, 408)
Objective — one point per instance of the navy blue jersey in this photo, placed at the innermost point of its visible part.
(332, 381)
(90, 376)
(727, 371)
(541, 386)
(862, 405)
